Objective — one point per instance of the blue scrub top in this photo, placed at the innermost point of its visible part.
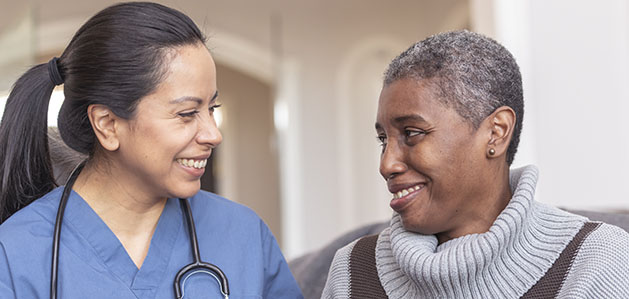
(94, 264)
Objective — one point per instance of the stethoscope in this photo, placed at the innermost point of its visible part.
(197, 266)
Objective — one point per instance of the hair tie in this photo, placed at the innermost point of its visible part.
(53, 71)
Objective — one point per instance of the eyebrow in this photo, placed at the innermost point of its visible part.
(404, 118)
(410, 117)
(186, 99)
(193, 99)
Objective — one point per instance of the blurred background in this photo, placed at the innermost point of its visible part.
(299, 83)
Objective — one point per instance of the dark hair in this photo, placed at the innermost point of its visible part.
(117, 57)
(63, 158)
(475, 75)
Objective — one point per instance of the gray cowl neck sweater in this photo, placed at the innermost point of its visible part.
(504, 262)
(521, 245)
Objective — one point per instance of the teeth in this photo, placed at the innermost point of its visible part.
(405, 192)
(193, 163)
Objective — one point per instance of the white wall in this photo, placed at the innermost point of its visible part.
(574, 57)
(17, 46)
(362, 191)
(325, 58)
(338, 175)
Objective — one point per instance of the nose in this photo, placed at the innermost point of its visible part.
(208, 132)
(392, 161)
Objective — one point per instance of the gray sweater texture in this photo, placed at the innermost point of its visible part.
(504, 262)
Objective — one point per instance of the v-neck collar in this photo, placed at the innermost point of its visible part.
(84, 220)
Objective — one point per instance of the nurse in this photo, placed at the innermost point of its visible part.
(140, 92)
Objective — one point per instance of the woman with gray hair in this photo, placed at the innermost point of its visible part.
(465, 225)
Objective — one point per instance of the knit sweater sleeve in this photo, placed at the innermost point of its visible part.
(601, 267)
(337, 285)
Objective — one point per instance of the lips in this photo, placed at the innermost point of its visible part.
(403, 195)
(195, 167)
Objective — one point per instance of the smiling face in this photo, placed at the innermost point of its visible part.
(432, 159)
(164, 148)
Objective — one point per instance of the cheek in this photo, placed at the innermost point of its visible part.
(167, 136)
(458, 150)
(446, 162)
(435, 156)
(461, 169)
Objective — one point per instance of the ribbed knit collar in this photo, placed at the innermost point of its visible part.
(520, 246)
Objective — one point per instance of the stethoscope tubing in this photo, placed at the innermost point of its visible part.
(197, 265)
(57, 230)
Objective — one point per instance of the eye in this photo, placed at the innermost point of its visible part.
(214, 107)
(188, 114)
(382, 139)
(413, 132)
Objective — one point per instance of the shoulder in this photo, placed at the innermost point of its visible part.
(211, 211)
(600, 268)
(207, 202)
(607, 245)
(26, 238)
(607, 241)
(311, 269)
(337, 285)
(35, 219)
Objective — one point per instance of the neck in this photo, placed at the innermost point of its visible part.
(130, 216)
(484, 208)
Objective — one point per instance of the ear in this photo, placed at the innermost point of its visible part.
(105, 124)
(501, 124)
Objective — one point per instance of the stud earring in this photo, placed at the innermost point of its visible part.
(492, 151)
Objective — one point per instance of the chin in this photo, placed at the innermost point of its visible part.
(413, 225)
(188, 191)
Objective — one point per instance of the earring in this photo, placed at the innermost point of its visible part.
(492, 151)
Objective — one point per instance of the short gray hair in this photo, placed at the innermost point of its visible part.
(474, 73)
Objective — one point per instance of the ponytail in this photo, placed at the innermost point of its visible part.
(25, 169)
(116, 58)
